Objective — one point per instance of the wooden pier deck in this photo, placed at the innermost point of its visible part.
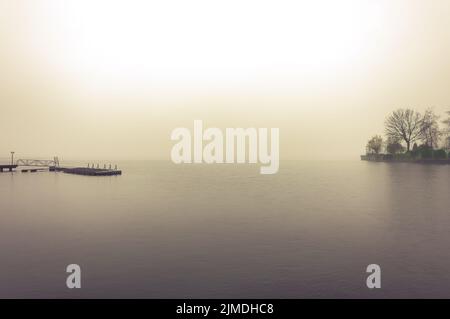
(87, 171)
(7, 168)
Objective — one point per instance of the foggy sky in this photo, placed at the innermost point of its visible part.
(112, 79)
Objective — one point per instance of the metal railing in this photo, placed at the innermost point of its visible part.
(37, 162)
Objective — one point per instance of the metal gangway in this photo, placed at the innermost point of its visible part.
(38, 162)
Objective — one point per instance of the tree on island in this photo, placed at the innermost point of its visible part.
(429, 129)
(394, 146)
(446, 131)
(375, 144)
(404, 125)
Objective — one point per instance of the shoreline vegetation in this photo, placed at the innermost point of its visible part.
(412, 137)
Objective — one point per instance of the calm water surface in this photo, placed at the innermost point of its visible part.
(194, 231)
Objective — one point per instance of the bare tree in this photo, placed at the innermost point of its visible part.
(429, 129)
(404, 124)
(375, 144)
(446, 131)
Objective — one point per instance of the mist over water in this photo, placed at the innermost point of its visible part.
(194, 231)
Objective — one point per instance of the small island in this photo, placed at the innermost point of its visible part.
(411, 137)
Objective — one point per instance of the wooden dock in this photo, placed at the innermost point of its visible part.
(87, 171)
(36, 165)
(8, 168)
